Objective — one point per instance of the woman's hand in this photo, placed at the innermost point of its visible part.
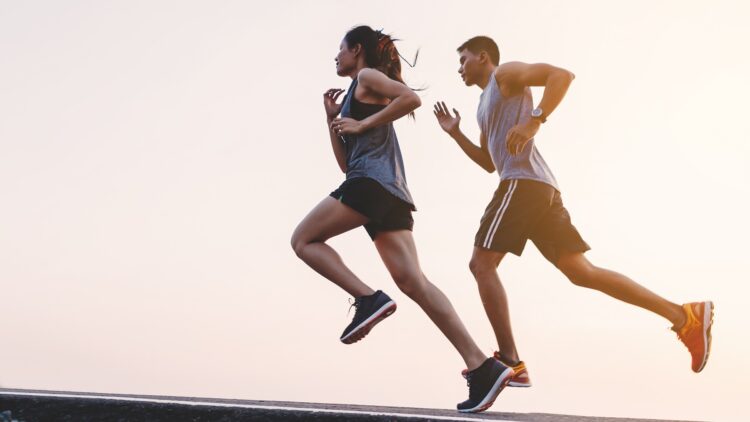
(347, 126)
(329, 102)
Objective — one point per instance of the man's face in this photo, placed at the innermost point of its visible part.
(470, 66)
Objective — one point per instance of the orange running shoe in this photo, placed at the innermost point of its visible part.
(520, 377)
(696, 333)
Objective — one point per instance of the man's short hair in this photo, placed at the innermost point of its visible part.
(482, 43)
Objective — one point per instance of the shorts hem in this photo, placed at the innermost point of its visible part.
(501, 249)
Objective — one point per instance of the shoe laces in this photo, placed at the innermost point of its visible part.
(354, 303)
(468, 376)
(473, 386)
(690, 322)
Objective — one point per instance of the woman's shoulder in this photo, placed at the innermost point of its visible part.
(369, 75)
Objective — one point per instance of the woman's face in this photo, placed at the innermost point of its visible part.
(346, 60)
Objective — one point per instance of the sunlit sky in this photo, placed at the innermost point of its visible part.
(155, 157)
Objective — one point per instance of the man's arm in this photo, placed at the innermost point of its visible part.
(478, 154)
(512, 77)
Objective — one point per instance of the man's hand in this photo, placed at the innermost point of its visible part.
(519, 135)
(347, 126)
(447, 122)
(329, 102)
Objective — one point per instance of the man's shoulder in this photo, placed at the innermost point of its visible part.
(510, 67)
(508, 78)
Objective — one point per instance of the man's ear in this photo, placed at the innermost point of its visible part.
(483, 57)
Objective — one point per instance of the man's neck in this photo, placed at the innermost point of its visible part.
(485, 79)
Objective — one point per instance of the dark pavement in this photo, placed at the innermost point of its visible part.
(57, 406)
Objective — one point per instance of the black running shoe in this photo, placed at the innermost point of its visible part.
(485, 383)
(370, 311)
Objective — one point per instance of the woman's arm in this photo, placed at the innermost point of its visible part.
(403, 102)
(332, 110)
(338, 147)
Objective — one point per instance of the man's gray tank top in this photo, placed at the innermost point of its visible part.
(496, 115)
(374, 153)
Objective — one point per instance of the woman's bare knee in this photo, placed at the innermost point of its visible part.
(409, 282)
(328, 219)
(299, 240)
(298, 246)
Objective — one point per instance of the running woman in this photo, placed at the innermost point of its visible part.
(527, 204)
(375, 195)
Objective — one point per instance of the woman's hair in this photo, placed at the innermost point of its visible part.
(379, 49)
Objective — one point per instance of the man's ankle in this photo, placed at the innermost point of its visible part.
(510, 360)
(680, 320)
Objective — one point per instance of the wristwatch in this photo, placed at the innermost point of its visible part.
(538, 114)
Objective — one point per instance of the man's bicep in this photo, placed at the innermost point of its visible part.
(524, 74)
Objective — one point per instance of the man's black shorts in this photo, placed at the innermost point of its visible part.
(369, 198)
(527, 209)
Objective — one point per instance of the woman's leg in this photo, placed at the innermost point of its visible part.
(328, 219)
(399, 254)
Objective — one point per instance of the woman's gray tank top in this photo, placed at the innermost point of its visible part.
(375, 153)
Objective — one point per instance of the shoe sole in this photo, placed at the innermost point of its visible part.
(708, 321)
(510, 383)
(519, 384)
(364, 328)
(495, 391)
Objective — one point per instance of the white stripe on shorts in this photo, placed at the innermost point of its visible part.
(499, 214)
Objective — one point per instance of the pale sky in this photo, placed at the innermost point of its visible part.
(155, 157)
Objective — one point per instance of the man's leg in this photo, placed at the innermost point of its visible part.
(559, 242)
(582, 273)
(483, 265)
(692, 321)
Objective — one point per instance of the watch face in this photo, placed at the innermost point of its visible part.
(537, 112)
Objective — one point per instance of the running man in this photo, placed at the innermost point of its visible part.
(375, 195)
(527, 204)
